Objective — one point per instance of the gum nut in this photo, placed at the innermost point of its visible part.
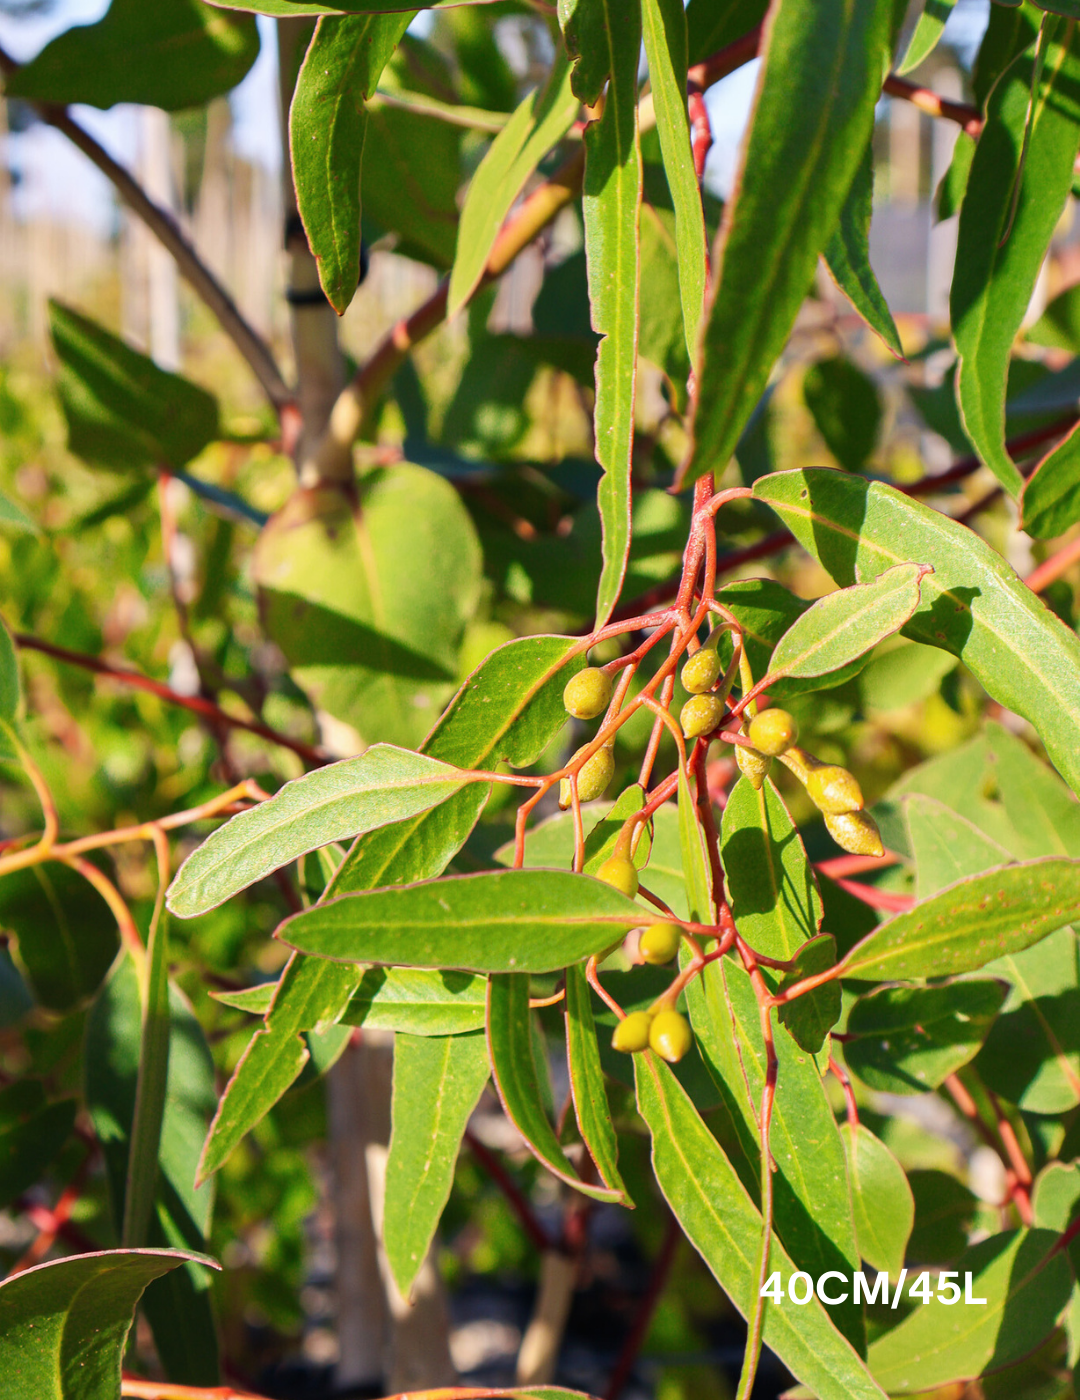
(701, 672)
(753, 766)
(593, 778)
(701, 715)
(632, 1033)
(669, 1036)
(855, 832)
(773, 732)
(834, 790)
(659, 943)
(588, 694)
(621, 873)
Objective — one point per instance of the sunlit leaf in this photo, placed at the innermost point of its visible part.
(587, 1082)
(881, 1196)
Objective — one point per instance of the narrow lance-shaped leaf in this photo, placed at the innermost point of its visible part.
(845, 625)
(927, 32)
(384, 785)
(417, 1001)
(437, 1083)
(847, 256)
(587, 1082)
(506, 921)
(973, 604)
(327, 126)
(823, 65)
(996, 274)
(509, 1034)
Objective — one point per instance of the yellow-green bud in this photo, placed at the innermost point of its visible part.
(834, 790)
(592, 779)
(632, 1033)
(620, 872)
(753, 766)
(588, 694)
(701, 671)
(701, 715)
(659, 943)
(669, 1036)
(855, 832)
(772, 732)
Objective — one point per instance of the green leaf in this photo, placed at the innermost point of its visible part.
(1044, 814)
(944, 1212)
(845, 625)
(502, 921)
(1059, 325)
(714, 24)
(665, 32)
(383, 785)
(1050, 499)
(368, 598)
(724, 1226)
(994, 280)
(172, 54)
(538, 124)
(611, 194)
(695, 857)
(10, 680)
(65, 933)
(910, 1039)
(15, 517)
(63, 1325)
(810, 1017)
(437, 1083)
(945, 846)
(327, 127)
(411, 173)
(881, 1196)
(1025, 1286)
(255, 999)
(418, 1002)
(509, 1034)
(123, 411)
(901, 674)
(847, 256)
(971, 923)
(926, 34)
(587, 1083)
(1056, 1201)
(32, 1133)
(846, 407)
(823, 66)
(292, 8)
(973, 605)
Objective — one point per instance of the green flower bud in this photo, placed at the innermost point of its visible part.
(659, 943)
(592, 779)
(632, 1033)
(620, 872)
(588, 694)
(669, 1036)
(834, 790)
(772, 732)
(753, 766)
(855, 832)
(701, 715)
(701, 671)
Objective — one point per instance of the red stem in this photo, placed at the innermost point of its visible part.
(640, 1326)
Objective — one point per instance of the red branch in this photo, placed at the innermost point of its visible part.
(640, 1327)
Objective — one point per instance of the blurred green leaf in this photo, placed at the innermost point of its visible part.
(847, 256)
(409, 181)
(1050, 498)
(882, 1199)
(714, 24)
(846, 407)
(944, 1211)
(1059, 325)
(32, 1133)
(904, 673)
(926, 34)
(65, 933)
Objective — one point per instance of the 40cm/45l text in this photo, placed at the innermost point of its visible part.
(833, 1288)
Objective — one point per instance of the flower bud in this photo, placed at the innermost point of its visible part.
(772, 732)
(834, 790)
(701, 715)
(620, 872)
(669, 1035)
(855, 832)
(701, 671)
(659, 943)
(632, 1033)
(753, 766)
(592, 779)
(588, 694)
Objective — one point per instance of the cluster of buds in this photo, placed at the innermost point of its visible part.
(664, 1031)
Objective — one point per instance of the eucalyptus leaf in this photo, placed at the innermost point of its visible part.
(32, 1133)
(417, 1002)
(810, 1017)
(882, 1199)
(847, 256)
(927, 32)
(587, 1082)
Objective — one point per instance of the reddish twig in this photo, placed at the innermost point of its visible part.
(1050, 570)
(877, 899)
(849, 1093)
(1018, 1190)
(639, 1328)
(934, 105)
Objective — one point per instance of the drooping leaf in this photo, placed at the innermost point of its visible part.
(926, 34)
(587, 1082)
(846, 408)
(695, 858)
(509, 1037)
(538, 124)
(881, 1196)
(327, 127)
(437, 1082)
(973, 605)
(383, 785)
(123, 411)
(32, 1132)
(417, 1002)
(502, 921)
(969, 924)
(63, 1324)
(823, 65)
(847, 256)
(810, 1017)
(846, 624)
(907, 1040)
(65, 933)
(1025, 1286)
(995, 274)
(724, 1226)
(171, 54)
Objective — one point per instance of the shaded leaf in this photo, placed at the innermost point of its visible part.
(32, 1133)
(902, 674)
(847, 256)
(1050, 498)
(410, 178)
(65, 933)
(881, 1196)
(944, 1212)
(926, 34)
(810, 1017)
(1044, 814)
(417, 1002)
(587, 1083)
(945, 846)
(846, 407)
